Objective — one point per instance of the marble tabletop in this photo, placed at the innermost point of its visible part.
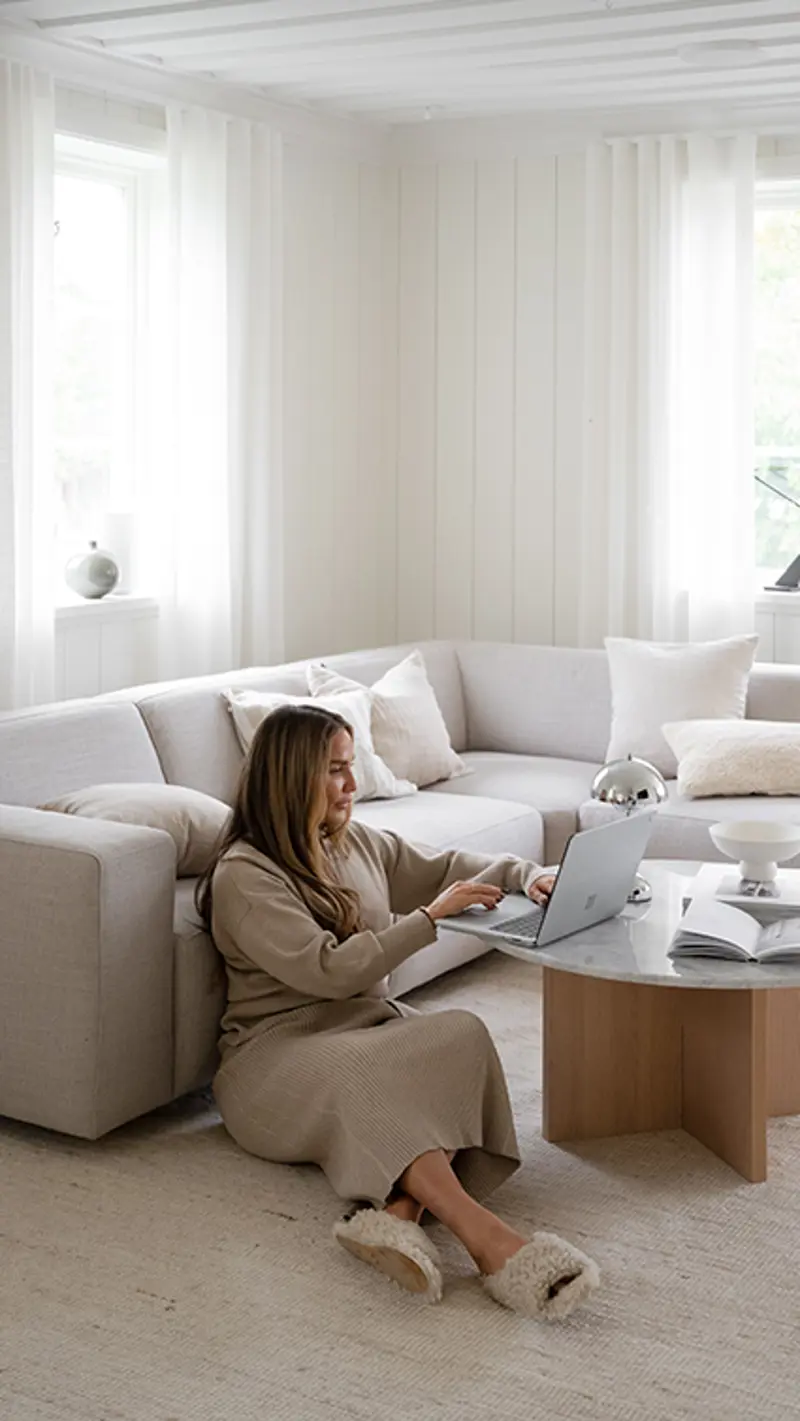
(633, 947)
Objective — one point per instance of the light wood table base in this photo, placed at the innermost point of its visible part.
(620, 1057)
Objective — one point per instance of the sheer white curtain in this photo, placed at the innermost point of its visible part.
(209, 534)
(26, 464)
(667, 478)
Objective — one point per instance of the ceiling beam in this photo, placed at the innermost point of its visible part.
(138, 83)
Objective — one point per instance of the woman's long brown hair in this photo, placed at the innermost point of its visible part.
(279, 810)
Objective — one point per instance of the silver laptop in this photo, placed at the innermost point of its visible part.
(594, 879)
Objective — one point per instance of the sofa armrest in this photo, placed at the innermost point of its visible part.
(86, 964)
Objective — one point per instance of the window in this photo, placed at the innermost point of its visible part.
(777, 376)
(93, 334)
(104, 206)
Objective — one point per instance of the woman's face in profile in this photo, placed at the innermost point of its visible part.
(340, 784)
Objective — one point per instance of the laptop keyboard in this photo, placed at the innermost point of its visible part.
(526, 926)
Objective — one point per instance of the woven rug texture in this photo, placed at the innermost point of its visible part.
(161, 1274)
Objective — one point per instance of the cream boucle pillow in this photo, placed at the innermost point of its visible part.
(408, 728)
(374, 779)
(732, 757)
(654, 682)
(194, 821)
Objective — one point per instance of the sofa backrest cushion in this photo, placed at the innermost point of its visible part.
(552, 700)
(51, 750)
(193, 731)
(773, 692)
(536, 700)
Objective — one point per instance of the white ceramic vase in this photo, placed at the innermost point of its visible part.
(92, 574)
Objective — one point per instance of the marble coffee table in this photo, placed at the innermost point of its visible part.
(635, 1041)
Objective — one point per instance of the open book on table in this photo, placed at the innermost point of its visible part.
(709, 928)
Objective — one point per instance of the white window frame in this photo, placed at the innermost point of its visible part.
(778, 186)
(142, 174)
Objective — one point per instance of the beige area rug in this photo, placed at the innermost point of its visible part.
(163, 1275)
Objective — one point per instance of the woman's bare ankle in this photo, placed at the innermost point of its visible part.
(404, 1207)
(491, 1246)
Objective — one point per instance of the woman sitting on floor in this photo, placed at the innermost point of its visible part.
(404, 1111)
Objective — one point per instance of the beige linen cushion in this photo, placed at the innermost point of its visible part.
(374, 779)
(408, 728)
(733, 757)
(656, 682)
(193, 820)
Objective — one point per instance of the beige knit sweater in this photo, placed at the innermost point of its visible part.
(278, 957)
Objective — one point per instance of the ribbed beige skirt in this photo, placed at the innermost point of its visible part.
(364, 1087)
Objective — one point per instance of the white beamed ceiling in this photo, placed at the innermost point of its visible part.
(391, 62)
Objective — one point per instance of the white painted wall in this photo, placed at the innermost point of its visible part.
(489, 337)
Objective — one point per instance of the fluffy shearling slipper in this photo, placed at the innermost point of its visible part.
(396, 1247)
(546, 1279)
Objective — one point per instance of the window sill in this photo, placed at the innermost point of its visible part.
(116, 605)
(786, 602)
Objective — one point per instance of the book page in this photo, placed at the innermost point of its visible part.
(718, 922)
(783, 936)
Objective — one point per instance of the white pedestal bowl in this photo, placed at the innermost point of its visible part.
(759, 845)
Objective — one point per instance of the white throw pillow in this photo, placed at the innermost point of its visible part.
(195, 821)
(732, 757)
(408, 728)
(374, 779)
(656, 682)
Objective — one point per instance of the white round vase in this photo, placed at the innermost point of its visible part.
(92, 574)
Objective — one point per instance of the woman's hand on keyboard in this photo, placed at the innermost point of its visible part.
(460, 896)
(541, 888)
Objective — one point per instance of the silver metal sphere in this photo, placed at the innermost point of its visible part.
(629, 784)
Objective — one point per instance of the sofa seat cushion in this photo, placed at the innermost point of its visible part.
(471, 822)
(680, 827)
(555, 787)
(450, 950)
(199, 990)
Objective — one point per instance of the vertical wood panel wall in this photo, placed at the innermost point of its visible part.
(487, 384)
(339, 511)
(434, 351)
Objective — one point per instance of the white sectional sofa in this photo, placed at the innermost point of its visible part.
(110, 994)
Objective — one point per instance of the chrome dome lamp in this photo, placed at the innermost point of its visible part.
(629, 785)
